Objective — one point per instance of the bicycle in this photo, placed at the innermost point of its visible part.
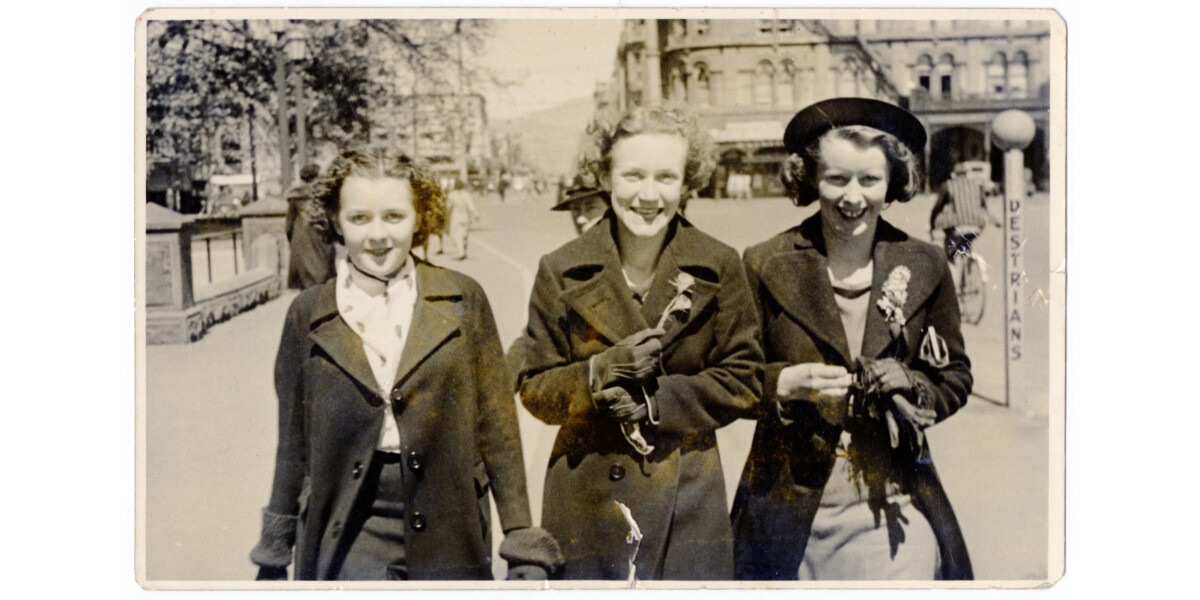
(970, 280)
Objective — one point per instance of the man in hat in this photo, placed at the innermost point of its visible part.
(587, 204)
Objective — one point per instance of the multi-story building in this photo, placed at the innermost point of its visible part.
(450, 131)
(745, 78)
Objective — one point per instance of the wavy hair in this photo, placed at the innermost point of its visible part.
(799, 171)
(595, 157)
(429, 201)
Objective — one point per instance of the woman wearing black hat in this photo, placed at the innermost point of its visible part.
(863, 349)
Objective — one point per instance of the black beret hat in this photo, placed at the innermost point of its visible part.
(812, 122)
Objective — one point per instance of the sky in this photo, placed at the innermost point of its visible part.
(552, 61)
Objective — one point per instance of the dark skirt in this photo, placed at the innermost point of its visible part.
(376, 551)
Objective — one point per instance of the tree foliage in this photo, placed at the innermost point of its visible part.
(209, 76)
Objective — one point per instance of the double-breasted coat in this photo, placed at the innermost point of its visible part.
(711, 375)
(791, 458)
(457, 421)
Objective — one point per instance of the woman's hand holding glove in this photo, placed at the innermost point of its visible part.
(617, 403)
(633, 360)
(897, 380)
(826, 386)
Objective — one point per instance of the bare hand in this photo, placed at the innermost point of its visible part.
(809, 380)
(922, 417)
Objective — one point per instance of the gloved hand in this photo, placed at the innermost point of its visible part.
(896, 380)
(532, 554)
(617, 403)
(526, 573)
(633, 360)
(272, 574)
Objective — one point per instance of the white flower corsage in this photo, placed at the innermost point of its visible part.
(895, 294)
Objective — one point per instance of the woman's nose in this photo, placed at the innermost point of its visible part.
(854, 193)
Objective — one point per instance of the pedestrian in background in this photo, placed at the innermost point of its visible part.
(641, 343)
(863, 349)
(311, 258)
(586, 203)
(462, 215)
(395, 420)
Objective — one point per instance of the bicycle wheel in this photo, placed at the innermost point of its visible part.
(972, 294)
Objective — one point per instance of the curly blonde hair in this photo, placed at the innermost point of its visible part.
(429, 201)
(799, 172)
(595, 157)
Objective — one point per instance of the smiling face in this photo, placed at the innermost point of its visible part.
(376, 219)
(852, 184)
(646, 180)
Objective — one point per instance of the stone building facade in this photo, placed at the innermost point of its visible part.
(745, 78)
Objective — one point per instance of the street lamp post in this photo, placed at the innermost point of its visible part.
(280, 28)
(297, 50)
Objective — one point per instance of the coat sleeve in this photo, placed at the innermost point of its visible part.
(496, 414)
(552, 387)
(281, 514)
(729, 385)
(946, 388)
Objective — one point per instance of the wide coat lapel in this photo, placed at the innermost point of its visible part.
(798, 279)
(435, 317)
(684, 252)
(893, 249)
(595, 287)
(329, 332)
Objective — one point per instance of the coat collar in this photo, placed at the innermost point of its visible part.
(435, 318)
(595, 286)
(798, 279)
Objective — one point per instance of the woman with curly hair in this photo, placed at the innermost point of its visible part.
(641, 343)
(395, 420)
(863, 350)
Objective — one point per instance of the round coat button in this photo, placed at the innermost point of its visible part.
(358, 470)
(397, 395)
(416, 462)
(616, 473)
(417, 521)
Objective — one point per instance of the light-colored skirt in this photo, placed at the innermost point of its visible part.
(852, 540)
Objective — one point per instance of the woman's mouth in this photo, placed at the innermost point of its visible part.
(378, 252)
(852, 213)
(649, 213)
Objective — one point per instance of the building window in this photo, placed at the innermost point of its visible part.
(700, 90)
(785, 94)
(766, 25)
(1018, 76)
(997, 76)
(763, 79)
(702, 26)
(678, 86)
(945, 72)
(923, 69)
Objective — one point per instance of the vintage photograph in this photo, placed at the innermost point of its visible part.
(591, 298)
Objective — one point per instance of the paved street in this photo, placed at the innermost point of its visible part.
(210, 410)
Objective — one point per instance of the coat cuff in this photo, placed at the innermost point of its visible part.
(532, 546)
(274, 547)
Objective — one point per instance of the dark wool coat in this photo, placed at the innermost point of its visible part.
(789, 464)
(311, 256)
(457, 420)
(712, 367)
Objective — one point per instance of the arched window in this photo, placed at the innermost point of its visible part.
(945, 77)
(762, 83)
(700, 90)
(785, 94)
(1018, 76)
(678, 85)
(997, 76)
(924, 71)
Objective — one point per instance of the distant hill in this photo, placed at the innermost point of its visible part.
(550, 138)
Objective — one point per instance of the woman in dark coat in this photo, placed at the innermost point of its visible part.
(863, 349)
(395, 420)
(641, 343)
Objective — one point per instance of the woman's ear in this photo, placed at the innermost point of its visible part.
(605, 180)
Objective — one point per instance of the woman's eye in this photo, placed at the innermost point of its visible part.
(870, 180)
(394, 217)
(836, 179)
(668, 177)
(358, 219)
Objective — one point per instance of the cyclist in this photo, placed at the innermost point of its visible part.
(960, 215)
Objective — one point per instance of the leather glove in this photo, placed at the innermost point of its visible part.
(272, 574)
(890, 376)
(527, 573)
(617, 403)
(633, 360)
